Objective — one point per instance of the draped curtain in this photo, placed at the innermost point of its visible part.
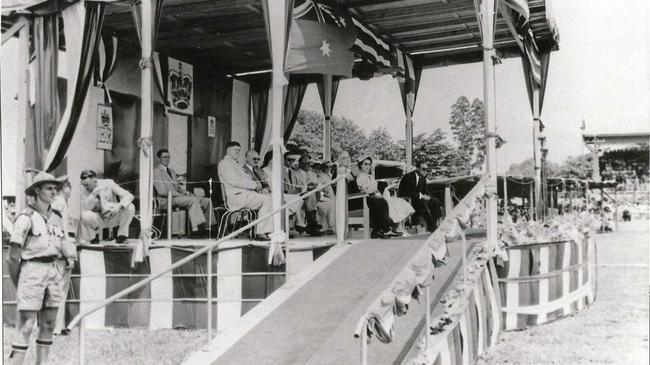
(45, 35)
(532, 83)
(409, 83)
(104, 60)
(259, 105)
(82, 23)
(293, 95)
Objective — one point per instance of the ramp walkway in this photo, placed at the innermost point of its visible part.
(316, 324)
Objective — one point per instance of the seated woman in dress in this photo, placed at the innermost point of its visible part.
(385, 211)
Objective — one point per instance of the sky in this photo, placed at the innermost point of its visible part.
(600, 74)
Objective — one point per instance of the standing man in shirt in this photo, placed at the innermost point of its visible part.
(165, 181)
(36, 244)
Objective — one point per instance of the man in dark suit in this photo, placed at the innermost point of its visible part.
(414, 186)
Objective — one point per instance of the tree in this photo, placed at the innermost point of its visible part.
(579, 167)
(443, 159)
(380, 145)
(468, 127)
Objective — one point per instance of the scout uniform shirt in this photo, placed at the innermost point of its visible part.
(39, 235)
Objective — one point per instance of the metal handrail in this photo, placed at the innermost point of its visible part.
(75, 321)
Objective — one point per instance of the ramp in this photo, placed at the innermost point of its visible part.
(316, 324)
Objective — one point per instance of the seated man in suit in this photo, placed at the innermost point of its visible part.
(244, 192)
(100, 208)
(296, 182)
(165, 181)
(259, 175)
(414, 186)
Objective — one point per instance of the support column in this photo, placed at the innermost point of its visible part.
(505, 194)
(487, 27)
(408, 140)
(146, 120)
(276, 17)
(595, 168)
(537, 154)
(327, 127)
(23, 113)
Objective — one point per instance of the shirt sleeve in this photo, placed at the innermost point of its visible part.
(126, 198)
(22, 225)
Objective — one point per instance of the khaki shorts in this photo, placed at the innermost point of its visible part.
(40, 285)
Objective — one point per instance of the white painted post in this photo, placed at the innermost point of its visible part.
(427, 318)
(489, 53)
(22, 117)
(209, 294)
(82, 337)
(276, 21)
(341, 216)
(408, 141)
(449, 204)
(146, 118)
(505, 194)
(169, 215)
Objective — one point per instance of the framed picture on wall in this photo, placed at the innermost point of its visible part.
(212, 126)
(104, 127)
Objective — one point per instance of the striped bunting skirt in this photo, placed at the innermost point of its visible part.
(242, 279)
(545, 281)
(477, 328)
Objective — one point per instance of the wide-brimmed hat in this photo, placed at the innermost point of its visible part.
(40, 179)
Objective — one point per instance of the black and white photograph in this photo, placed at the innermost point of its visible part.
(335, 182)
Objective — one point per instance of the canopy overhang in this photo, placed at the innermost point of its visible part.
(230, 35)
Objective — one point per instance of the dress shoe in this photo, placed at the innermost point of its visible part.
(393, 234)
(95, 240)
(330, 232)
(262, 237)
(300, 229)
(121, 239)
(315, 233)
(377, 234)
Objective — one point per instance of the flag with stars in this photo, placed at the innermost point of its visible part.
(317, 47)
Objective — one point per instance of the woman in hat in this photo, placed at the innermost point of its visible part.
(35, 247)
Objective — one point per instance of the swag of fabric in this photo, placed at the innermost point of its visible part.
(104, 60)
(82, 28)
(293, 95)
(327, 109)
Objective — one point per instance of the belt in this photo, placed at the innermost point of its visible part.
(43, 259)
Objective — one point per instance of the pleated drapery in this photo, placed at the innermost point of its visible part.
(82, 24)
(45, 35)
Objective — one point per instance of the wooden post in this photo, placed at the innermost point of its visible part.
(341, 216)
(616, 208)
(505, 194)
(327, 127)
(487, 27)
(408, 140)
(276, 21)
(22, 117)
(449, 204)
(146, 119)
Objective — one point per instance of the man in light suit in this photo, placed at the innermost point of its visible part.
(165, 180)
(242, 191)
(100, 207)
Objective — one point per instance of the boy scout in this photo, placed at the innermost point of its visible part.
(35, 247)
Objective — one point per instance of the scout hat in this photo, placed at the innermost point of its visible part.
(40, 179)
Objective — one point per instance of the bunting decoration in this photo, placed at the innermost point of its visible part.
(82, 24)
(104, 60)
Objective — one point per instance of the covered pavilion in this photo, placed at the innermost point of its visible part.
(233, 43)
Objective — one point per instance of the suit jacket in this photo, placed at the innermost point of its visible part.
(290, 181)
(234, 178)
(409, 188)
(165, 182)
(258, 175)
(107, 193)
